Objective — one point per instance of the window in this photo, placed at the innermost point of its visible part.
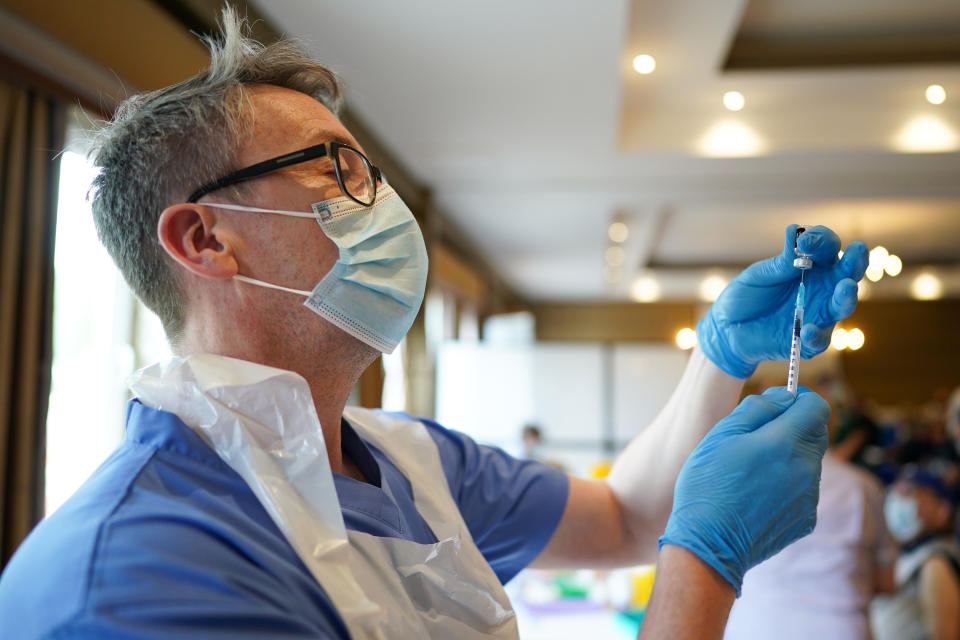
(101, 334)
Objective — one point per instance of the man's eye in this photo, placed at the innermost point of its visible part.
(321, 166)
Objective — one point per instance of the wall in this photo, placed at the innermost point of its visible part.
(615, 322)
(911, 349)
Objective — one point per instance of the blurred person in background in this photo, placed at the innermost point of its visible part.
(532, 447)
(951, 425)
(932, 441)
(952, 419)
(532, 440)
(920, 510)
(821, 586)
(929, 439)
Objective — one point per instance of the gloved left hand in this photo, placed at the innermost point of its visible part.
(750, 487)
(750, 322)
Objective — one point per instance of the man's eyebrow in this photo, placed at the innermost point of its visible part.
(326, 135)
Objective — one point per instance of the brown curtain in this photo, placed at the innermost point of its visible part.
(31, 135)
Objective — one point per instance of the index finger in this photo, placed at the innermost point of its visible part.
(821, 244)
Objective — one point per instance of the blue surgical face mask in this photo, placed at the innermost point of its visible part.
(900, 512)
(375, 289)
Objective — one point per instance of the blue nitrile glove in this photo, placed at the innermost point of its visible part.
(751, 486)
(751, 320)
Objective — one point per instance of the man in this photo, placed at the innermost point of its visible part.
(920, 511)
(246, 502)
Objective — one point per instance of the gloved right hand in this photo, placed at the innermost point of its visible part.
(751, 486)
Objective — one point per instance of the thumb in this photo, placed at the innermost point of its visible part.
(806, 418)
(755, 411)
(775, 270)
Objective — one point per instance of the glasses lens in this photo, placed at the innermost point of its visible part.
(357, 175)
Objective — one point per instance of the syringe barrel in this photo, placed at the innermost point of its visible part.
(793, 372)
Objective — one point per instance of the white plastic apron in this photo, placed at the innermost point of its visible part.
(262, 422)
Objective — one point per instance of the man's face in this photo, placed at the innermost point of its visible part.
(290, 251)
(283, 250)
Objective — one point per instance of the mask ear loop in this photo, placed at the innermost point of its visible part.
(279, 212)
(261, 283)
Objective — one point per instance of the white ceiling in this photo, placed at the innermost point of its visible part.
(532, 130)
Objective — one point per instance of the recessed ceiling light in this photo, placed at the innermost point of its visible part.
(711, 287)
(839, 340)
(926, 286)
(926, 134)
(733, 100)
(730, 139)
(893, 265)
(686, 338)
(936, 94)
(645, 289)
(618, 232)
(614, 256)
(855, 339)
(878, 257)
(644, 64)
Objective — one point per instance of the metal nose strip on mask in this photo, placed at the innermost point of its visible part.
(338, 207)
(261, 283)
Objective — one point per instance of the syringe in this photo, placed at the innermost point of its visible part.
(793, 374)
(802, 262)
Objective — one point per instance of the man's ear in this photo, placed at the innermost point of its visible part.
(188, 233)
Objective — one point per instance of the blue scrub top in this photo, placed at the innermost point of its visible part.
(165, 540)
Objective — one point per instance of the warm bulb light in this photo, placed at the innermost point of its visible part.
(644, 64)
(645, 289)
(893, 265)
(618, 232)
(711, 288)
(855, 339)
(734, 100)
(614, 256)
(926, 286)
(863, 290)
(840, 339)
(686, 338)
(936, 94)
(925, 134)
(730, 139)
(874, 273)
(612, 274)
(878, 257)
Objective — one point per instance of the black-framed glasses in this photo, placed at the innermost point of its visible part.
(356, 176)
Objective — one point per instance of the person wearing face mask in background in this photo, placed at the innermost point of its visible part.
(821, 586)
(247, 501)
(920, 511)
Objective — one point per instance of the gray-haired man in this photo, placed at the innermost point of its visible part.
(246, 501)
